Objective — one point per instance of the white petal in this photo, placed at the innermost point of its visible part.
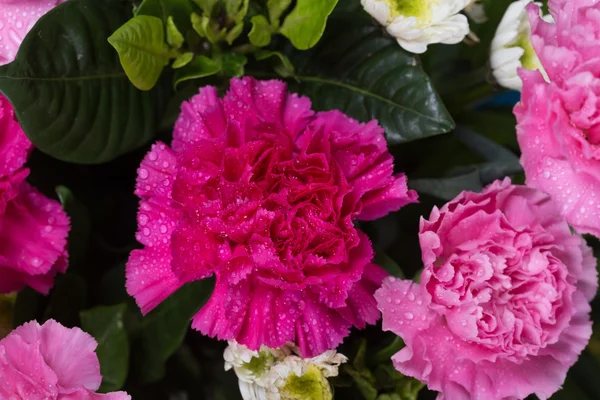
(378, 10)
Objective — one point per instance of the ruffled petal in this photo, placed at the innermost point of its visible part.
(83, 394)
(33, 237)
(75, 364)
(14, 145)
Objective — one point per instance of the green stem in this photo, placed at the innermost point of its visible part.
(387, 352)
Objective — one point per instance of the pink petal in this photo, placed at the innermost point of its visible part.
(16, 19)
(24, 372)
(68, 352)
(83, 394)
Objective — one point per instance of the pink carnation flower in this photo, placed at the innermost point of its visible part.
(559, 122)
(262, 192)
(33, 228)
(17, 17)
(50, 362)
(502, 308)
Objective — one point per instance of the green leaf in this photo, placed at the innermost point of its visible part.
(67, 299)
(236, 9)
(142, 50)
(304, 26)
(164, 328)
(260, 34)
(180, 10)
(79, 236)
(106, 325)
(182, 60)
(203, 27)
(368, 76)
(26, 306)
(174, 37)
(232, 64)
(69, 90)
(200, 67)
(206, 5)
(234, 33)
(276, 9)
(283, 67)
(387, 263)
(473, 178)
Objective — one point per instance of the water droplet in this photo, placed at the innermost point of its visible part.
(411, 297)
(143, 173)
(409, 315)
(463, 322)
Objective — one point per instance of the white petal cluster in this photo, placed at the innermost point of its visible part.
(280, 374)
(512, 48)
(476, 11)
(418, 23)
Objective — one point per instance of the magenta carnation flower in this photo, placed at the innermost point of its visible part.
(17, 17)
(51, 362)
(33, 228)
(559, 122)
(502, 308)
(262, 192)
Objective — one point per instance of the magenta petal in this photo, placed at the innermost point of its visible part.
(33, 238)
(14, 145)
(361, 306)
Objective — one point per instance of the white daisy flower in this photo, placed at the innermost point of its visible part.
(512, 48)
(281, 374)
(418, 23)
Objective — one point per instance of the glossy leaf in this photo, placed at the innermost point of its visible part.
(180, 10)
(356, 69)
(304, 26)
(164, 328)
(69, 90)
(142, 50)
(106, 325)
(199, 67)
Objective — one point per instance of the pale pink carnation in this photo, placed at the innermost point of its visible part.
(502, 308)
(33, 228)
(559, 122)
(49, 361)
(262, 192)
(17, 17)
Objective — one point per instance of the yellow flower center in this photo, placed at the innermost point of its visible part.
(310, 386)
(421, 9)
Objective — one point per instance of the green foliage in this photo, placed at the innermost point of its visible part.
(69, 91)
(199, 67)
(260, 35)
(306, 23)
(142, 50)
(367, 76)
(106, 325)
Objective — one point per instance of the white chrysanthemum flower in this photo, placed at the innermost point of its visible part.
(281, 374)
(418, 23)
(512, 48)
(476, 11)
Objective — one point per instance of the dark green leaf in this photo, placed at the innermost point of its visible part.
(164, 328)
(70, 93)
(67, 299)
(260, 34)
(79, 235)
(356, 69)
(26, 306)
(304, 26)
(232, 64)
(488, 149)
(199, 67)
(180, 10)
(384, 261)
(472, 178)
(142, 50)
(106, 325)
